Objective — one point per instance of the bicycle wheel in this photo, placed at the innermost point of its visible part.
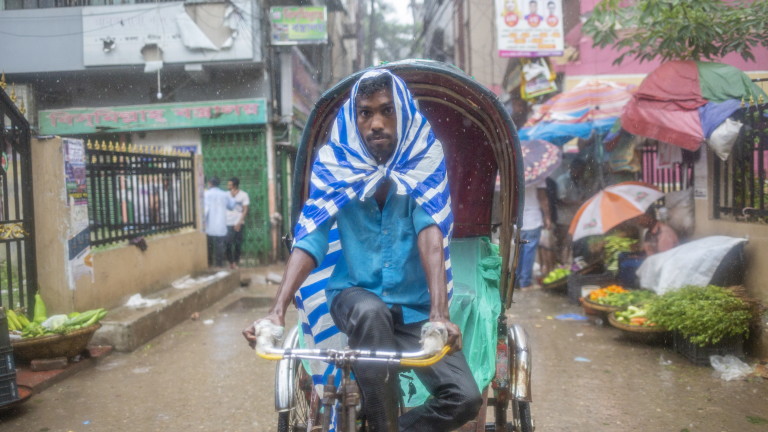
(295, 419)
(521, 416)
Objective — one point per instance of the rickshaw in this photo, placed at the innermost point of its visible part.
(481, 148)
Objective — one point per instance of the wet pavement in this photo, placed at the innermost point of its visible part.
(201, 376)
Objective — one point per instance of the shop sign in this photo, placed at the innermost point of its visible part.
(154, 117)
(529, 28)
(298, 25)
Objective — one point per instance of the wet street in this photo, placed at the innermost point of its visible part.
(201, 376)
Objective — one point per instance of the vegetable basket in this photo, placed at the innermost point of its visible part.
(51, 346)
(655, 334)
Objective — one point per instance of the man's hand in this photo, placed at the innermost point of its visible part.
(238, 226)
(250, 332)
(454, 334)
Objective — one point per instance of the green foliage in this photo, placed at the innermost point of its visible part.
(679, 29)
(705, 315)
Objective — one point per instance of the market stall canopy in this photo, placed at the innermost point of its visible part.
(683, 102)
(692, 263)
(612, 206)
(591, 106)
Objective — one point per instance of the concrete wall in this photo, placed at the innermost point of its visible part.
(756, 249)
(118, 272)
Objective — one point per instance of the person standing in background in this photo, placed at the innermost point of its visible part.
(236, 222)
(535, 217)
(216, 203)
(573, 189)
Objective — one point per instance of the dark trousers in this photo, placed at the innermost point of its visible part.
(216, 250)
(370, 324)
(234, 245)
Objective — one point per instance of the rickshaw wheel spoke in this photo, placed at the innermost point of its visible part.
(295, 420)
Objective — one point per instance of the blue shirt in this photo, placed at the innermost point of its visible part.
(217, 202)
(379, 252)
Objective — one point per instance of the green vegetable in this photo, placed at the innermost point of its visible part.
(22, 318)
(41, 314)
(86, 318)
(613, 246)
(704, 315)
(556, 275)
(622, 300)
(13, 321)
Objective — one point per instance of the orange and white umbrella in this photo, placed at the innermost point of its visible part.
(612, 206)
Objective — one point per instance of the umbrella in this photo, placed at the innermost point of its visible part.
(540, 160)
(682, 102)
(590, 106)
(612, 206)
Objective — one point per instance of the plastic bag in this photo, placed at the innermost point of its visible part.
(729, 367)
(722, 139)
(680, 211)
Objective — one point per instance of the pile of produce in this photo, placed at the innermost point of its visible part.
(626, 298)
(598, 294)
(704, 315)
(634, 316)
(613, 246)
(43, 325)
(556, 275)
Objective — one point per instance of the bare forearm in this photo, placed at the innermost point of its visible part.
(299, 266)
(430, 243)
(243, 215)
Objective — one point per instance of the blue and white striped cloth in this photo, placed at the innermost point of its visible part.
(345, 170)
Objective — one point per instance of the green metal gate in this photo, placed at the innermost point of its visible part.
(241, 153)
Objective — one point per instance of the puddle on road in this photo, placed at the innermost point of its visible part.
(247, 304)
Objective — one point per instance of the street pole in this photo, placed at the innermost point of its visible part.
(371, 35)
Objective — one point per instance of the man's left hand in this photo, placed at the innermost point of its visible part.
(454, 334)
(238, 227)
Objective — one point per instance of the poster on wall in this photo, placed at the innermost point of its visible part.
(529, 28)
(79, 235)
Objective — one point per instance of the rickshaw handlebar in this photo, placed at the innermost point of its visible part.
(433, 348)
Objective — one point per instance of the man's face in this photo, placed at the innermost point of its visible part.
(377, 124)
(230, 185)
(534, 6)
(551, 7)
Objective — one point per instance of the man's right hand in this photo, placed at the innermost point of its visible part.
(249, 333)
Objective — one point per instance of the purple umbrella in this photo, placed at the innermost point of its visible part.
(540, 160)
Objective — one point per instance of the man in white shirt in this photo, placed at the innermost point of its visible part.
(216, 202)
(236, 222)
(535, 217)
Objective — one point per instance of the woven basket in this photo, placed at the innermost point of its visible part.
(68, 345)
(634, 328)
(560, 284)
(589, 304)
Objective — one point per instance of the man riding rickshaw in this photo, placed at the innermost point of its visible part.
(373, 238)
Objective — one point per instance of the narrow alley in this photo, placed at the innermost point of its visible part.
(201, 375)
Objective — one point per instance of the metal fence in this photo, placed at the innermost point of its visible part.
(674, 177)
(740, 183)
(18, 269)
(134, 191)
